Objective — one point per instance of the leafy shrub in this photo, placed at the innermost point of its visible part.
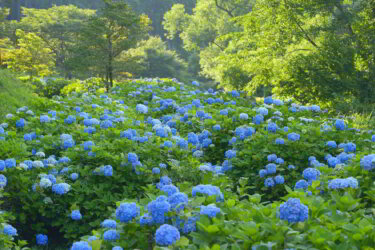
(204, 162)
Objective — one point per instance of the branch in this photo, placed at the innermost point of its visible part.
(220, 47)
(306, 35)
(229, 12)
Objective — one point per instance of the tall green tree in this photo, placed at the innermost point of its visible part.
(58, 27)
(31, 56)
(153, 59)
(204, 32)
(311, 50)
(115, 29)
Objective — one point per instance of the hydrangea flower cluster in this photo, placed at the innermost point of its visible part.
(293, 211)
(166, 235)
(368, 162)
(127, 211)
(208, 190)
(41, 239)
(343, 183)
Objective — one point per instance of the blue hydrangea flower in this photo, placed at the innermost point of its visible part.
(233, 140)
(142, 109)
(2, 165)
(263, 111)
(127, 211)
(293, 211)
(293, 137)
(340, 124)
(224, 112)
(368, 162)
(198, 153)
(81, 245)
(132, 157)
(272, 127)
(182, 143)
(3, 181)
(262, 173)
(258, 119)
(312, 158)
(291, 167)
(271, 168)
(272, 157)
(350, 147)
(145, 219)
(44, 119)
(168, 144)
(277, 102)
(279, 141)
(331, 144)
(311, 174)
(70, 119)
(76, 215)
(158, 208)
(45, 183)
(92, 238)
(216, 127)
(166, 235)
(268, 100)
(111, 235)
(41, 239)
(279, 161)
(170, 189)
(162, 165)
(165, 180)
(61, 188)
(195, 83)
(117, 248)
(206, 142)
(156, 170)
(373, 138)
(244, 116)
(193, 138)
(108, 223)
(106, 124)
(20, 123)
(269, 182)
(10, 163)
(333, 161)
(230, 154)
(279, 179)
(208, 190)
(210, 210)
(9, 230)
(301, 184)
(106, 170)
(87, 145)
(343, 183)
(74, 176)
(188, 226)
(178, 201)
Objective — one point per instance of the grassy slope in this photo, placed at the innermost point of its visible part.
(13, 93)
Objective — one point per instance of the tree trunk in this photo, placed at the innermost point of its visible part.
(110, 62)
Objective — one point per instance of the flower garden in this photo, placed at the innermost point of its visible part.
(158, 164)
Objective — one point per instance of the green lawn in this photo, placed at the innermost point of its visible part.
(13, 93)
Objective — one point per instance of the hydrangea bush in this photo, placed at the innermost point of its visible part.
(161, 164)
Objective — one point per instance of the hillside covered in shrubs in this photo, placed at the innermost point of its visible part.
(158, 164)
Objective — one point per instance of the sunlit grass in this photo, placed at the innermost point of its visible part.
(13, 93)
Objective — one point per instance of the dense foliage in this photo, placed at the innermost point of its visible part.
(158, 163)
(179, 124)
